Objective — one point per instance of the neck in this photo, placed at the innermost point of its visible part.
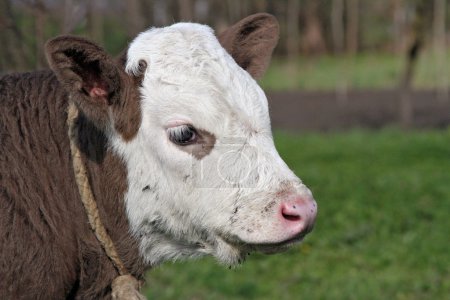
(108, 179)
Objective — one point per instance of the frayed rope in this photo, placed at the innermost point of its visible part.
(124, 286)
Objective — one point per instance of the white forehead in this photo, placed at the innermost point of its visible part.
(188, 67)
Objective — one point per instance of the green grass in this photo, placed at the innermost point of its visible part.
(363, 71)
(382, 231)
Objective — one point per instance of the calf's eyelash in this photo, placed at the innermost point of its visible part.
(182, 135)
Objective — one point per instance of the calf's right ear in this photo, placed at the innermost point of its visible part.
(87, 73)
(251, 42)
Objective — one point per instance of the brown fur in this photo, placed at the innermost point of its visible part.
(47, 249)
(251, 42)
(80, 65)
(202, 147)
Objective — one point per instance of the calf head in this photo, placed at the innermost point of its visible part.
(191, 124)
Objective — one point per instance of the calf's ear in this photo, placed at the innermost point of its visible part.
(251, 42)
(87, 72)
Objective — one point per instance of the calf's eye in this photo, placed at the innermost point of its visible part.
(182, 135)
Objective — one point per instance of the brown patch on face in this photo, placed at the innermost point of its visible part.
(127, 113)
(251, 42)
(202, 147)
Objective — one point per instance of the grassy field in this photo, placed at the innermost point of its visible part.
(362, 71)
(382, 231)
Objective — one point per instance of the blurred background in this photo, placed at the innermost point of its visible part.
(359, 99)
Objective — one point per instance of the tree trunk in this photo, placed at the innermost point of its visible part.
(439, 47)
(147, 13)
(313, 41)
(39, 26)
(337, 31)
(95, 22)
(201, 11)
(406, 109)
(337, 25)
(292, 28)
(186, 10)
(260, 5)
(418, 36)
(160, 16)
(352, 26)
(220, 20)
(134, 18)
(234, 9)
(65, 25)
(398, 18)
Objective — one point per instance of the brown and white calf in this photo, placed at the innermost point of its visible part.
(179, 153)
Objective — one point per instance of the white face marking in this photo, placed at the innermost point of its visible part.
(178, 205)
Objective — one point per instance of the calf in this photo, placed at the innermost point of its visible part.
(176, 142)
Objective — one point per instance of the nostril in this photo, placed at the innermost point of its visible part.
(290, 214)
(291, 217)
(296, 215)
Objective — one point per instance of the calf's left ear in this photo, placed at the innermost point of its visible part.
(87, 72)
(96, 83)
(251, 42)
